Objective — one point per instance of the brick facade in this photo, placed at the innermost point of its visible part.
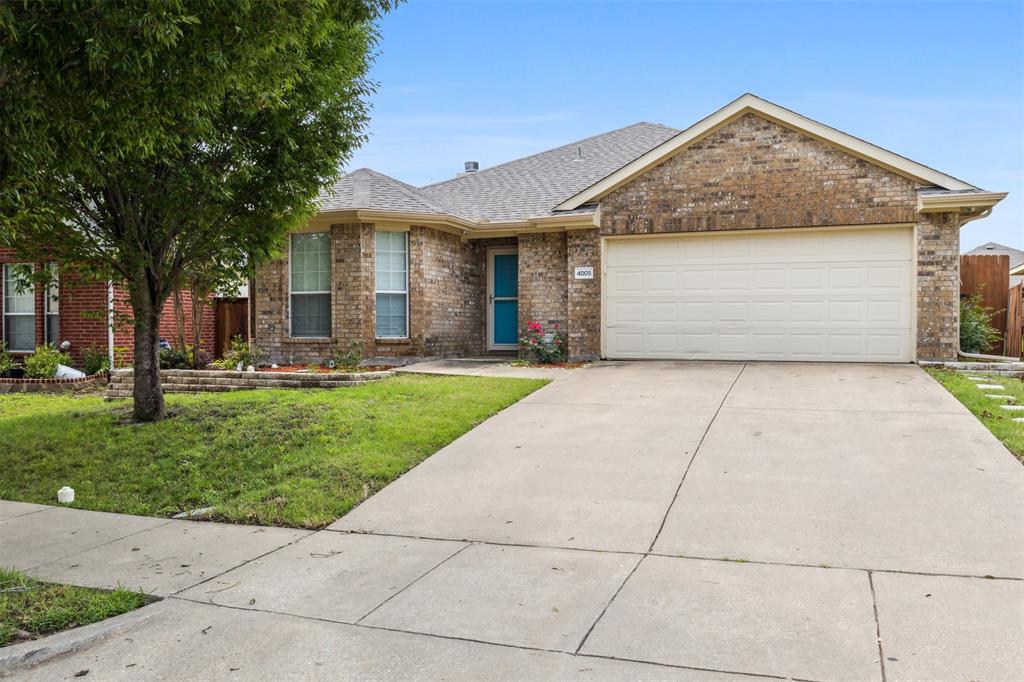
(543, 293)
(584, 295)
(446, 299)
(750, 174)
(754, 173)
(938, 286)
(83, 316)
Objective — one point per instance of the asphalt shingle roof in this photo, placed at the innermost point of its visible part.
(525, 188)
(367, 189)
(530, 187)
(995, 249)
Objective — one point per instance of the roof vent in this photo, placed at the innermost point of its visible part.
(472, 166)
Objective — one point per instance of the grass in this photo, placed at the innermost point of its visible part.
(297, 458)
(29, 608)
(999, 421)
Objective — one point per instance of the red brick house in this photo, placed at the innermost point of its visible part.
(755, 233)
(81, 314)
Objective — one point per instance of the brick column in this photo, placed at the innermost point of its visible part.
(583, 247)
(938, 286)
(542, 279)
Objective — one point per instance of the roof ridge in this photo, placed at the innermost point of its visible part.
(546, 151)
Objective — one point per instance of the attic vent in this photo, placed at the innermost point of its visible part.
(472, 166)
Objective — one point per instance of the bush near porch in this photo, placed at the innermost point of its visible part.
(280, 457)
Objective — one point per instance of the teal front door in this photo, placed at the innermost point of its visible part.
(503, 300)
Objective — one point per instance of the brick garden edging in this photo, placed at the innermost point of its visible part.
(51, 385)
(211, 381)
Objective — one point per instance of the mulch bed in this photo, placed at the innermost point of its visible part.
(324, 370)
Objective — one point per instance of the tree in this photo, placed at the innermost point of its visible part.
(154, 142)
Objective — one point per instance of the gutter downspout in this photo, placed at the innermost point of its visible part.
(110, 323)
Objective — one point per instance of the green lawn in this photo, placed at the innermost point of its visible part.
(999, 421)
(29, 608)
(283, 457)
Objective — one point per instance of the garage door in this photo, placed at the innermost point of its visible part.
(832, 295)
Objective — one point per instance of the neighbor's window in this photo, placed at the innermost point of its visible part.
(392, 276)
(19, 309)
(311, 284)
(52, 303)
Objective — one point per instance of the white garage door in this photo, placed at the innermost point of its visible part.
(835, 295)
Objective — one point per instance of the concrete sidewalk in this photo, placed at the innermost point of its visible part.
(688, 521)
(97, 549)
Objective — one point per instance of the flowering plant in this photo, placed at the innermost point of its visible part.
(544, 347)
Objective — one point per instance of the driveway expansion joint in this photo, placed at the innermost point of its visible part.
(878, 627)
(608, 604)
(721, 403)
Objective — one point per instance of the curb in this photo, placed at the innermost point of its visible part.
(18, 657)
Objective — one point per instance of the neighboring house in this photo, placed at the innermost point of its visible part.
(754, 234)
(79, 313)
(1016, 258)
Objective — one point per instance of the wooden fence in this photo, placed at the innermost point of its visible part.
(989, 277)
(1015, 322)
(231, 320)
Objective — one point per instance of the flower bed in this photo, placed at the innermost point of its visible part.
(52, 385)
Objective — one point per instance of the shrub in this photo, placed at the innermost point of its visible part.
(348, 360)
(241, 353)
(175, 358)
(977, 335)
(544, 347)
(178, 358)
(42, 364)
(6, 362)
(95, 360)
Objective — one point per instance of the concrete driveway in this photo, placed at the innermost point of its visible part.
(695, 521)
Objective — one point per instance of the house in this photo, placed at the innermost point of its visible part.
(86, 314)
(1016, 257)
(754, 234)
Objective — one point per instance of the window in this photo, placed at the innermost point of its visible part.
(19, 309)
(52, 299)
(392, 277)
(311, 284)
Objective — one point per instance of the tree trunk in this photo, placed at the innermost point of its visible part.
(147, 393)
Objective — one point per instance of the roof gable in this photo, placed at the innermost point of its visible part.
(751, 104)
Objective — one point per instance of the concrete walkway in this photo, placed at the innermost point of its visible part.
(486, 367)
(686, 521)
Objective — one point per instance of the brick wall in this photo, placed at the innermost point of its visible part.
(83, 316)
(754, 173)
(543, 293)
(938, 286)
(584, 295)
(446, 293)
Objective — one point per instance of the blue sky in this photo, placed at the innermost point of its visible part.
(941, 83)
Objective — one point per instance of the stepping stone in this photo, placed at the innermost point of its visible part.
(1012, 407)
(976, 378)
(999, 396)
(991, 387)
(1018, 419)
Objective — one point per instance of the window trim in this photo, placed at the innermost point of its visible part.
(7, 314)
(292, 292)
(47, 299)
(406, 336)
